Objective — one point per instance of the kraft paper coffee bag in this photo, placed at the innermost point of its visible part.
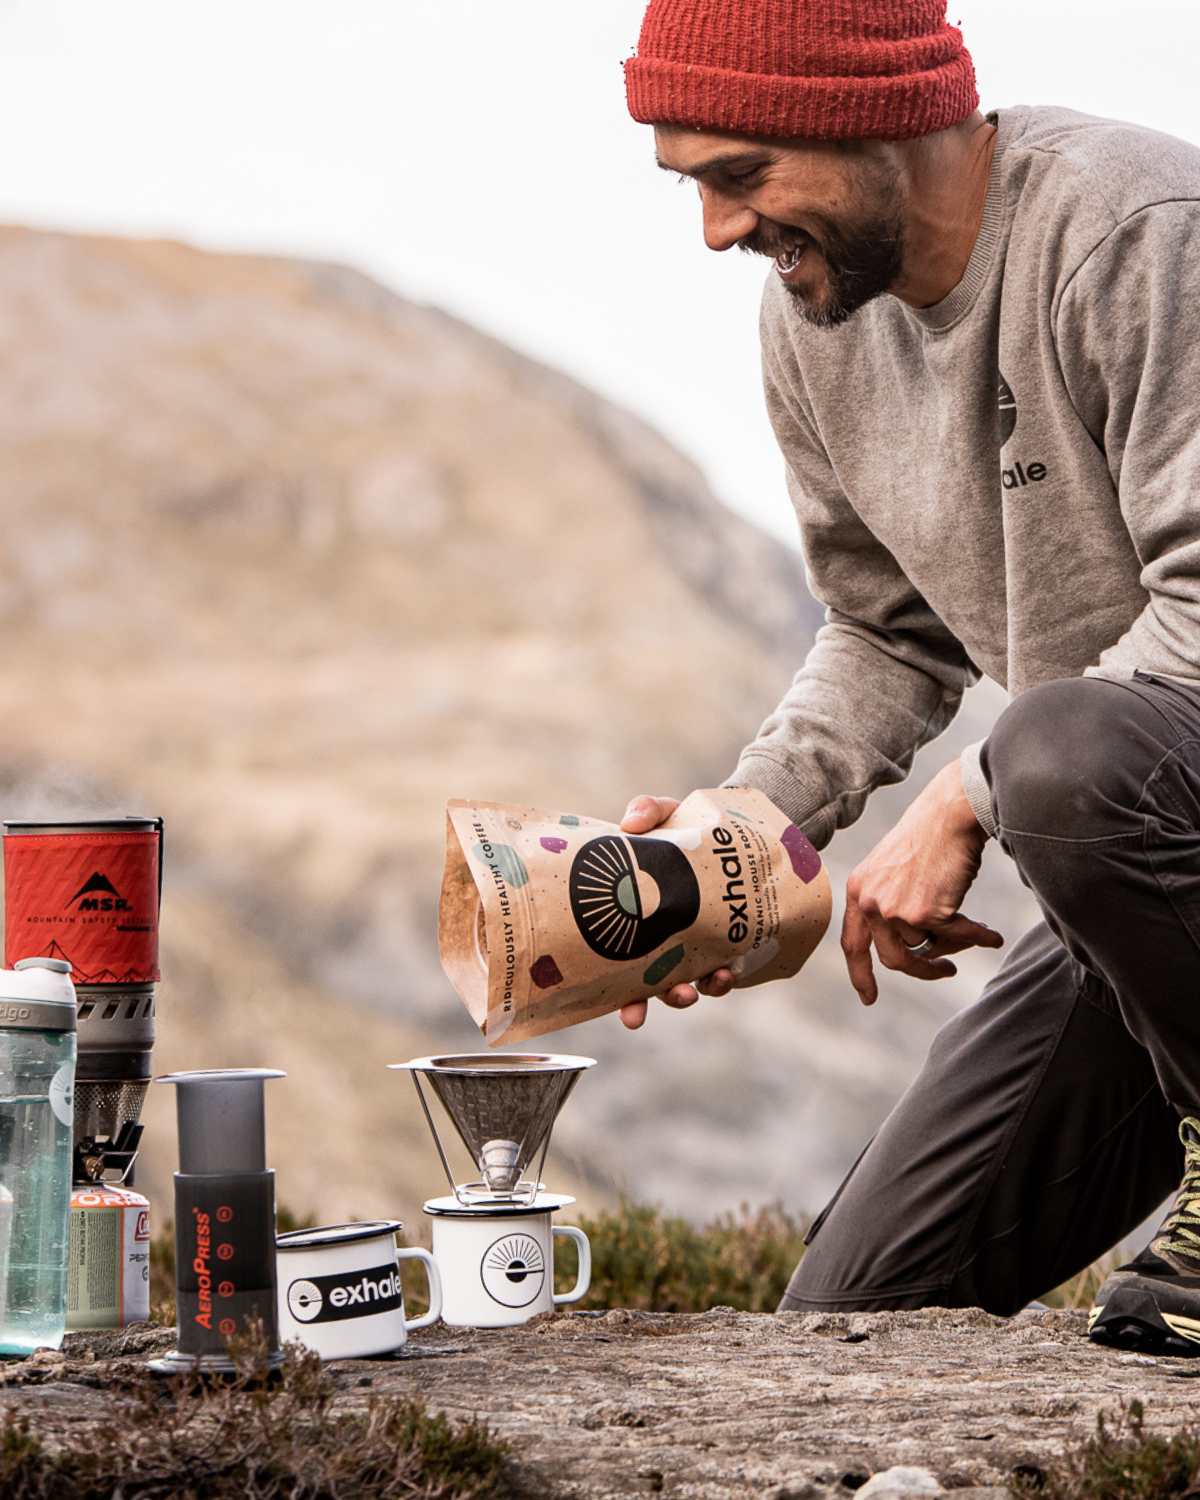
(547, 919)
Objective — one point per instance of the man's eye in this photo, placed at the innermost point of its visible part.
(744, 177)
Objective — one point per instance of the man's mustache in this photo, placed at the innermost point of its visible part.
(774, 240)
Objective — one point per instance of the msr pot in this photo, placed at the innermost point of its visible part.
(89, 893)
(493, 1237)
(339, 1289)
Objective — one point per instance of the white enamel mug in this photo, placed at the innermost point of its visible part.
(339, 1289)
(497, 1264)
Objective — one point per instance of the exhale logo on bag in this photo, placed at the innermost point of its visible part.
(608, 902)
(98, 894)
(352, 1294)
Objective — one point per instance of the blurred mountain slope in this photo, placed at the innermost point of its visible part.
(291, 560)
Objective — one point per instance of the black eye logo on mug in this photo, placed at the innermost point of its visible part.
(606, 902)
(513, 1270)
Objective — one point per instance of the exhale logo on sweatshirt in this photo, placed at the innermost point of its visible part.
(1008, 411)
(1019, 475)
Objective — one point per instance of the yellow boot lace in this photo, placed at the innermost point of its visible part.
(1179, 1234)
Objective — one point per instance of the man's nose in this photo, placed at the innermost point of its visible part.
(725, 221)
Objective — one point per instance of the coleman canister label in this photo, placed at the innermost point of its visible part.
(108, 1262)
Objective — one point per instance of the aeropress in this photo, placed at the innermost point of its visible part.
(224, 1218)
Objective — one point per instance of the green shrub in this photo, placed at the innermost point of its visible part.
(1124, 1462)
(643, 1259)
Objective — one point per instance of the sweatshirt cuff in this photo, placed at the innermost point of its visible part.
(976, 787)
(803, 806)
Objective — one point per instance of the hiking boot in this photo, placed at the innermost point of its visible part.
(1152, 1304)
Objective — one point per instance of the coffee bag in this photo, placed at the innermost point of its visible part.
(547, 919)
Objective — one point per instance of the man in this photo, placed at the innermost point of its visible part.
(981, 342)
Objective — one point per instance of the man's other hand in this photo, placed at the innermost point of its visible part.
(910, 886)
(642, 816)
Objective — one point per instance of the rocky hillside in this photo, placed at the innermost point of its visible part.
(291, 560)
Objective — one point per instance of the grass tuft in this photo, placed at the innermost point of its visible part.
(254, 1438)
(1080, 1290)
(1122, 1462)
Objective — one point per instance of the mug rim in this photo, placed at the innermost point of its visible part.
(336, 1234)
(450, 1207)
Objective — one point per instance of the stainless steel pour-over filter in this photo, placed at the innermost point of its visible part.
(503, 1106)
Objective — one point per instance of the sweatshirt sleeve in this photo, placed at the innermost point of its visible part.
(1126, 327)
(884, 676)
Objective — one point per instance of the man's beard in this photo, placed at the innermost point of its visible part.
(862, 260)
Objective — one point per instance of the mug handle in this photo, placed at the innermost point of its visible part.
(435, 1288)
(584, 1279)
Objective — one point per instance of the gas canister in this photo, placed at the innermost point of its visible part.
(108, 1261)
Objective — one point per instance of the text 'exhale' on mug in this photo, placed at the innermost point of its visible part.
(339, 1289)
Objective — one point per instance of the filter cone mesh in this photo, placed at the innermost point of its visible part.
(509, 1106)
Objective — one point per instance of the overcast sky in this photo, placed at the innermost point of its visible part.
(477, 154)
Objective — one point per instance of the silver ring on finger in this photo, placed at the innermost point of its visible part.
(923, 946)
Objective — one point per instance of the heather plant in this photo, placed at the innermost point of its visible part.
(253, 1437)
(1121, 1462)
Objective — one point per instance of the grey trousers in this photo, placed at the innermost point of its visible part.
(1043, 1126)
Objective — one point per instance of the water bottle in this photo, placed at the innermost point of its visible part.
(37, 1082)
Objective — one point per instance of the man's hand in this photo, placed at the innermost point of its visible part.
(641, 816)
(910, 886)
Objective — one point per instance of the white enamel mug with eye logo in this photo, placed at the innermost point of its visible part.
(497, 1261)
(339, 1289)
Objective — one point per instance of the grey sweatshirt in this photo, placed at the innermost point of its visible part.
(1007, 482)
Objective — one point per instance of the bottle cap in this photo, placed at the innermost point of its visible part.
(37, 995)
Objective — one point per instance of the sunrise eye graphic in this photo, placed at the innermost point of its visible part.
(513, 1270)
(605, 894)
(304, 1301)
(629, 895)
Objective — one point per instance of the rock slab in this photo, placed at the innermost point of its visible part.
(724, 1404)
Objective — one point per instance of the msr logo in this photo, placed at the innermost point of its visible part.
(98, 893)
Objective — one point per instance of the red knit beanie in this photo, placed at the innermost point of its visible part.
(820, 69)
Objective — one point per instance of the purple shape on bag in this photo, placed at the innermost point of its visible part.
(805, 860)
(545, 972)
(555, 846)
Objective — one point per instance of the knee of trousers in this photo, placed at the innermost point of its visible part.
(1070, 759)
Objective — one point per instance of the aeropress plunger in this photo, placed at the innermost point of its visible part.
(224, 1218)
